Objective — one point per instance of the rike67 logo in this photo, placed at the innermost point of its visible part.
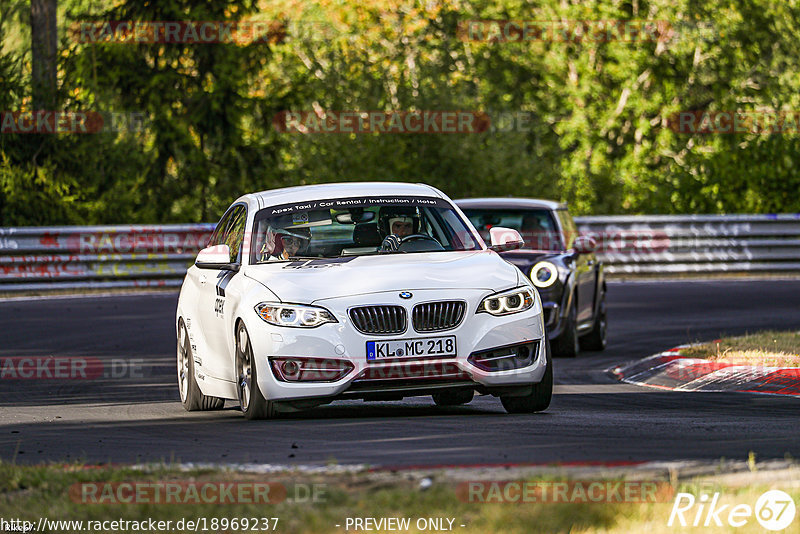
(774, 510)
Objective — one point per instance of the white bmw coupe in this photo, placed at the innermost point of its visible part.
(374, 291)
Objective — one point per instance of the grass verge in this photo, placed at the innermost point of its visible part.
(323, 503)
(769, 348)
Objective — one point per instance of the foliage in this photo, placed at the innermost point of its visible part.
(597, 133)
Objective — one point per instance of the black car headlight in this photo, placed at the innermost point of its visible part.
(544, 274)
(514, 301)
(294, 315)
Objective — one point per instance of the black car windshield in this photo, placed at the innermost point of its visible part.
(537, 226)
(334, 228)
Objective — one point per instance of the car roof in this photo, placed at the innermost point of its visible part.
(506, 202)
(302, 193)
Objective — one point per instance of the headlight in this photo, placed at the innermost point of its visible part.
(294, 315)
(514, 301)
(544, 274)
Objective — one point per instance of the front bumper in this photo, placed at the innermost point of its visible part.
(478, 332)
(555, 304)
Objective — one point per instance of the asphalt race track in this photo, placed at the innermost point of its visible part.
(135, 416)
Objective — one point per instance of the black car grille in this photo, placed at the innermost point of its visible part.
(379, 319)
(438, 316)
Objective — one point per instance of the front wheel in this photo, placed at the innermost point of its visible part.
(539, 398)
(251, 401)
(192, 398)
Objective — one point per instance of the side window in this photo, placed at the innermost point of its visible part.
(568, 226)
(219, 231)
(234, 234)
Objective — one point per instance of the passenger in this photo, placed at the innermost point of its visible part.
(282, 244)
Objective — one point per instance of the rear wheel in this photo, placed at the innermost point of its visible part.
(596, 339)
(453, 398)
(566, 344)
(251, 401)
(192, 398)
(539, 398)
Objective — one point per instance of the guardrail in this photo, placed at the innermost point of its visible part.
(77, 257)
(681, 244)
(72, 257)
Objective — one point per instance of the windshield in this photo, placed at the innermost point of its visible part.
(333, 228)
(537, 226)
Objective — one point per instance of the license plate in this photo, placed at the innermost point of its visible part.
(423, 347)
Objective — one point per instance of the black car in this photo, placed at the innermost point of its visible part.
(559, 262)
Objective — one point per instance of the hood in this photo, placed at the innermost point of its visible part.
(309, 280)
(526, 258)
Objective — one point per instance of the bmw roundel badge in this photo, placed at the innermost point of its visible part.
(406, 295)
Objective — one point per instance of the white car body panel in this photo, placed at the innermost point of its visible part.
(212, 301)
(318, 281)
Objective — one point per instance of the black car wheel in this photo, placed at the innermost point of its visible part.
(192, 398)
(251, 401)
(596, 339)
(566, 344)
(539, 398)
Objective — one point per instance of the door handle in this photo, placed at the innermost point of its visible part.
(203, 279)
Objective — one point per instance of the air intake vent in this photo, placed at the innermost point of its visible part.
(506, 358)
(379, 320)
(438, 316)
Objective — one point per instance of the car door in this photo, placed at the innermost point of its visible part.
(213, 298)
(584, 268)
(223, 296)
(196, 298)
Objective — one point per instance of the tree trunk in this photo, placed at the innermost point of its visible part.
(44, 39)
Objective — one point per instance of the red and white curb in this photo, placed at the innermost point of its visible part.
(674, 371)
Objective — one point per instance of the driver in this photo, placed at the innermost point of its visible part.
(282, 244)
(537, 234)
(395, 223)
(401, 226)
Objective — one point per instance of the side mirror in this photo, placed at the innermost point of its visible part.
(215, 257)
(584, 244)
(505, 239)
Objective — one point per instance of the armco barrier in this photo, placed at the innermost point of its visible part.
(681, 244)
(71, 257)
(75, 257)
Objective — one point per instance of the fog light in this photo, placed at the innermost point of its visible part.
(298, 369)
(290, 368)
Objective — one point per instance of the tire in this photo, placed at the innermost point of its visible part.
(539, 398)
(596, 339)
(453, 398)
(192, 398)
(251, 400)
(566, 344)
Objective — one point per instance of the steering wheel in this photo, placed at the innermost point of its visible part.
(416, 237)
(417, 243)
